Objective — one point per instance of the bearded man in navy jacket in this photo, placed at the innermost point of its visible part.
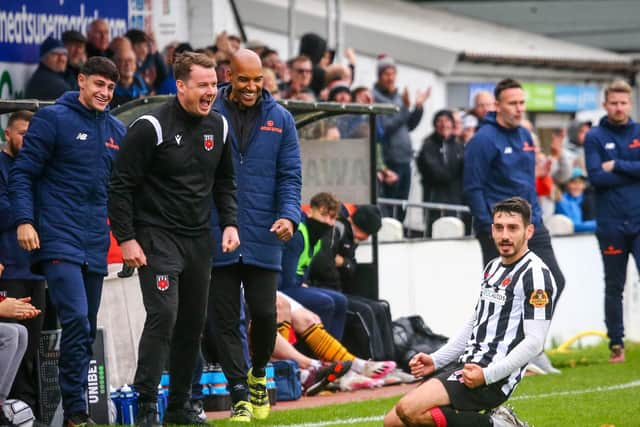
(499, 163)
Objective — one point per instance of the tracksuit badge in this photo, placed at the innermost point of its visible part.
(162, 282)
(208, 142)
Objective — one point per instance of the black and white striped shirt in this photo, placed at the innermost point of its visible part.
(510, 294)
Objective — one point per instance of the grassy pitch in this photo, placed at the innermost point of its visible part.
(589, 392)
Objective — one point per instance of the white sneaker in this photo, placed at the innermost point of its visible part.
(504, 416)
(542, 365)
(354, 381)
(377, 370)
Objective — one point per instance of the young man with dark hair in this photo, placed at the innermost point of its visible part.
(612, 151)
(506, 330)
(499, 162)
(18, 281)
(298, 255)
(67, 156)
(174, 163)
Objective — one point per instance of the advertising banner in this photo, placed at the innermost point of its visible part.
(24, 25)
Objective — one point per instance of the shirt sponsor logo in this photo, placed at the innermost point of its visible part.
(611, 250)
(539, 298)
(208, 142)
(81, 136)
(610, 146)
(493, 296)
(112, 144)
(269, 127)
(528, 146)
(162, 282)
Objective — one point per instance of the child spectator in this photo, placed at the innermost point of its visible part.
(571, 202)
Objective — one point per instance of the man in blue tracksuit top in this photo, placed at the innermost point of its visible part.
(18, 281)
(266, 158)
(612, 153)
(499, 163)
(58, 189)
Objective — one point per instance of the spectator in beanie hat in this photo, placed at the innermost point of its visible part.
(365, 221)
(397, 149)
(48, 82)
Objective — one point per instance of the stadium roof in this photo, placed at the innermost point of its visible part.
(435, 39)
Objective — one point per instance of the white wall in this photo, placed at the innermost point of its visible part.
(439, 280)
(436, 279)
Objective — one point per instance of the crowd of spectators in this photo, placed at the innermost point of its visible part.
(312, 75)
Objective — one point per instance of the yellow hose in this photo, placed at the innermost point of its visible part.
(565, 346)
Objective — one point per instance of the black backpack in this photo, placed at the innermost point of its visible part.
(410, 336)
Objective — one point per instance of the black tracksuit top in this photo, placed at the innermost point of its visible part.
(169, 169)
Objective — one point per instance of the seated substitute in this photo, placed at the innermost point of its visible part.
(293, 317)
(507, 329)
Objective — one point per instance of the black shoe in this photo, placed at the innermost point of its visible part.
(147, 415)
(185, 415)
(79, 420)
(126, 271)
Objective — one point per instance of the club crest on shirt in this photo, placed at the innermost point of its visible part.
(162, 282)
(539, 298)
(208, 142)
(506, 282)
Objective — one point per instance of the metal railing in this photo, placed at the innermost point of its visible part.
(417, 216)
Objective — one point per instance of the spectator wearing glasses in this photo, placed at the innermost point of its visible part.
(301, 73)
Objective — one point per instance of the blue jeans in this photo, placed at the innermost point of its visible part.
(75, 294)
(330, 306)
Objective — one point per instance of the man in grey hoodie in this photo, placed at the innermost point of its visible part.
(396, 142)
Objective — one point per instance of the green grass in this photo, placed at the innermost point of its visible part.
(583, 369)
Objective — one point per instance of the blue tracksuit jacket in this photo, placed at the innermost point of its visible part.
(17, 265)
(617, 192)
(499, 163)
(58, 181)
(268, 175)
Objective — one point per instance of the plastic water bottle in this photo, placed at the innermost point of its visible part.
(165, 382)
(162, 403)
(218, 381)
(205, 380)
(271, 383)
(114, 397)
(128, 405)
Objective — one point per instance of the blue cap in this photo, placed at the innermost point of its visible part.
(577, 173)
(51, 45)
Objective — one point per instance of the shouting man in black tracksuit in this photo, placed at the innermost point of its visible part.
(174, 162)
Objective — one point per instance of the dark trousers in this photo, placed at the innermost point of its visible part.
(25, 385)
(540, 244)
(175, 287)
(224, 308)
(75, 294)
(329, 305)
(398, 190)
(616, 241)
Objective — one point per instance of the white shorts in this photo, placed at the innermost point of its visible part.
(295, 305)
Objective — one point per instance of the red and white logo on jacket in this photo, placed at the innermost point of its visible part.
(208, 142)
(162, 282)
